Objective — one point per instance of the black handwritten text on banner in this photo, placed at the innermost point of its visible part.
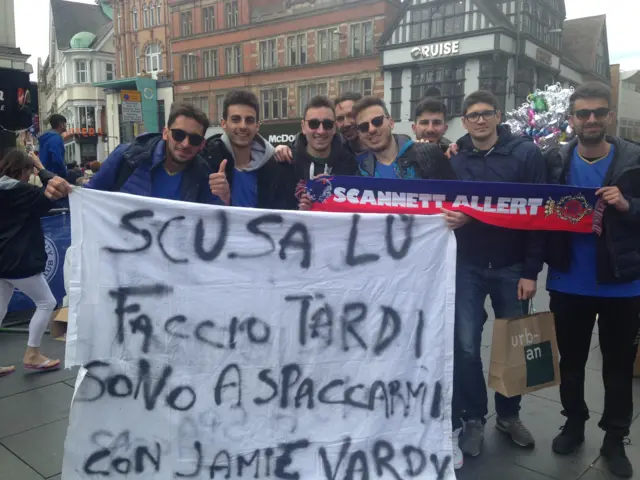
(237, 343)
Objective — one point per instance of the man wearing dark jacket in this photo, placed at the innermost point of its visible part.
(430, 122)
(52, 146)
(166, 165)
(597, 275)
(256, 179)
(394, 156)
(498, 262)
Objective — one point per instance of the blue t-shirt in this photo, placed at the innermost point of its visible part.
(164, 185)
(581, 278)
(386, 171)
(244, 191)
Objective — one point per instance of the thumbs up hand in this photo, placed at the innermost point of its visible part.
(219, 185)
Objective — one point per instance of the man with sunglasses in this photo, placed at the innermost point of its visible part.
(497, 262)
(256, 179)
(165, 165)
(431, 122)
(597, 275)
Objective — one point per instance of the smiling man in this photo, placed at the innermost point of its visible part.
(166, 165)
(431, 122)
(256, 179)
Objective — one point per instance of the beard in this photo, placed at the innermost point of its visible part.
(591, 138)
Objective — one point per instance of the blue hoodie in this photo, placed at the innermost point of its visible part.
(52, 153)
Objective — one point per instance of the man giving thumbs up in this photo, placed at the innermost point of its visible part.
(219, 185)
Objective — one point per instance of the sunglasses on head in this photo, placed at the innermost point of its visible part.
(314, 124)
(375, 121)
(585, 113)
(179, 135)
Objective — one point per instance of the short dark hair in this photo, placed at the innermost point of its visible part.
(348, 97)
(319, 101)
(590, 90)
(368, 102)
(15, 163)
(240, 97)
(481, 96)
(431, 105)
(189, 111)
(56, 120)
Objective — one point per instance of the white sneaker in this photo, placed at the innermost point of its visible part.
(458, 457)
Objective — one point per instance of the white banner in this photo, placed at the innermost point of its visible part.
(240, 343)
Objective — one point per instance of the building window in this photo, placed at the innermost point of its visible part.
(602, 67)
(524, 84)
(268, 54)
(328, 45)
(445, 81)
(136, 58)
(297, 49)
(439, 20)
(210, 63)
(208, 19)
(396, 95)
(361, 39)
(186, 24)
(189, 66)
(151, 15)
(357, 85)
(158, 14)
(274, 103)
(87, 117)
(307, 92)
(111, 71)
(539, 22)
(199, 102)
(145, 15)
(134, 18)
(493, 78)
(219, 108)
(119, 22)
(153, 55)
(82, 71)
(121, 56)
(233, 60)
(231, 9)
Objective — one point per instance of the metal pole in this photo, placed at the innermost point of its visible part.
(516, 60)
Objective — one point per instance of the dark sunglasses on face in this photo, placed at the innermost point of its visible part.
(179, 135)
(314, 124)
(585, 113)
(475, 116)
(375, 121)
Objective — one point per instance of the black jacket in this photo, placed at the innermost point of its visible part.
(618, 248)
(276, 183)
(341, 160)
(514, 159)
(422, 161)
(22, 251)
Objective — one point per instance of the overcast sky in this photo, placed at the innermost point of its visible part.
(32, 21)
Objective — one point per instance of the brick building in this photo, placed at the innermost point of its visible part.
(285, 51)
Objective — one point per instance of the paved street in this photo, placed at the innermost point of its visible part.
(34, 410)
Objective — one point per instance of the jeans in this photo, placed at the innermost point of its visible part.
(473, 284)
(618, 323)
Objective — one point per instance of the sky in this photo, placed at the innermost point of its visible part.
(32, 21)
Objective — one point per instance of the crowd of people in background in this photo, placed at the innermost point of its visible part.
(591, 276)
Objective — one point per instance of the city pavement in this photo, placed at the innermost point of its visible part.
(34, 410)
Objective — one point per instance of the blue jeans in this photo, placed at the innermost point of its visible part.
(473, 284)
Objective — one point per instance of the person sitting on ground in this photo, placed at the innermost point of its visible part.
(22, 252)
(166, 165)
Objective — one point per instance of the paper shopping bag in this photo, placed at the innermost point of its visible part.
(524, 355)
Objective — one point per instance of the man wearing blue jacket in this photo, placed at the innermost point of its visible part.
(501, 263)
(166, 165)
(52, 146)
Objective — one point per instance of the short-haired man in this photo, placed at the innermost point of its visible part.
(166, 165)
(52, 146)
(430, 122)
(497, 262)
(394, 156)
(597, 275)
(256, 179)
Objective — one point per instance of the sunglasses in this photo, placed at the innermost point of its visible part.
(375, 121)
(314, 124)
(179, 135)
(585, 113)
(475, 116)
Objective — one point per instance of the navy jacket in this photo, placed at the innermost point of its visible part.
(140, 159)
(514, 159)
(52, 153)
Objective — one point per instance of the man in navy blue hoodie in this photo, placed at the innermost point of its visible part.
(166, 165)
(52, 146)
(501, 263)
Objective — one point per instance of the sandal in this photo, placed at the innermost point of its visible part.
(4, 371)
(45, 366)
